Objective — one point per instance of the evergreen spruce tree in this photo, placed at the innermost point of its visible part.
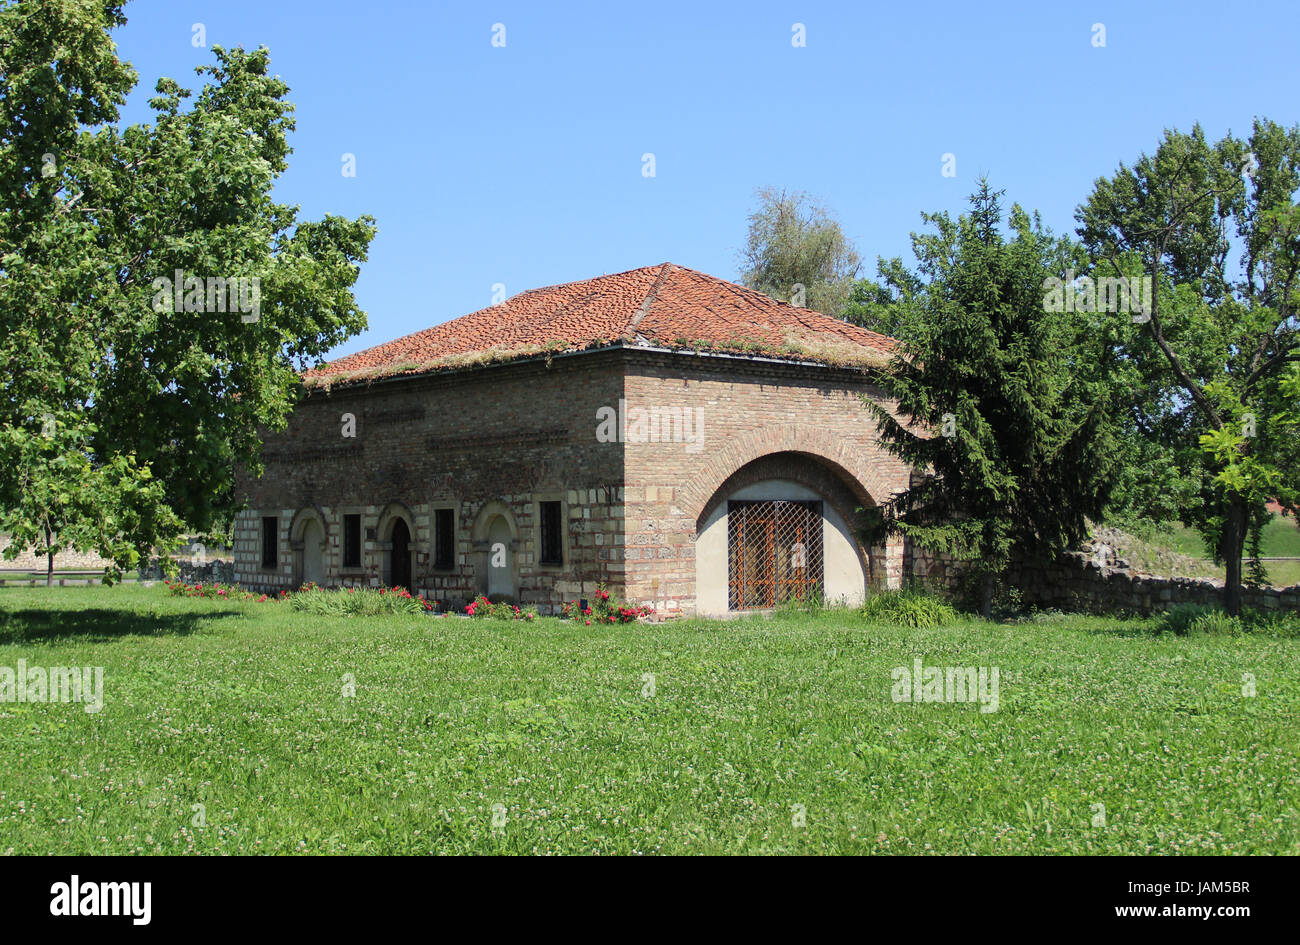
(1002, 404)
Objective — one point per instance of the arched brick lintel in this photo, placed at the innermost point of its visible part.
(850, 462)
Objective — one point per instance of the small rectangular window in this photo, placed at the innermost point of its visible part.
(444, 539)
(270, 542)
(352, 541)
(552, 544)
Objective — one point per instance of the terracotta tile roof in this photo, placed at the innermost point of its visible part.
(655, 306)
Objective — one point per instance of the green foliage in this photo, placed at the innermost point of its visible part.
(1214, 364)
(878, 307)
(795, 241)
(356, 602)
(1179, 618)
(125, 416)
(1002, 400)
(1284, 625)
(1214, 621)
(907, 608)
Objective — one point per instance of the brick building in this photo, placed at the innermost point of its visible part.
(693, 444)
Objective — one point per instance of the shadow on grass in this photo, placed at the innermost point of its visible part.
(97, 625)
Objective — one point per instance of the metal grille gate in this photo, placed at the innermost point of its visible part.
(774, 552)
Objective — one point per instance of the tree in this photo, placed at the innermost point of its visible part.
(797, 252)
(877, 305)
(1218, 347)
(1001, 403)
(158, 304)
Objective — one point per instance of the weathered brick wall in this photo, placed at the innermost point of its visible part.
(746, 410)
(502, 435)
(505, 436)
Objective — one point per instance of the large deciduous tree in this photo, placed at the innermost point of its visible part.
(1218, 350)
(157, 303)
(796, 251)
(1002, 403)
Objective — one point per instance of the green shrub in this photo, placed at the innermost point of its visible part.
(1185, 619)
(357, 602)
(1272, 623)
(1179, 618)
(909, 609)
(1216, 623)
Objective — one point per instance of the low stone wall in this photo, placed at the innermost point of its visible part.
(70, 559)
(211, 572)
(1077, 581)
(1096, 581)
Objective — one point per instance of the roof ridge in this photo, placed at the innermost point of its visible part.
(629, 333)
(565, 285)
(664, 301)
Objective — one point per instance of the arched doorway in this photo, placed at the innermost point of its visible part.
(496, 545)
(399, 567)
(313, 540)
(500, 580)
(780, 528)
(310, 554)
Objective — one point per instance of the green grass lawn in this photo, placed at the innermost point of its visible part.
(752, 726)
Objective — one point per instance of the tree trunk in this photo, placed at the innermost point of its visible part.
(986, 597)
(49, 557)
(1234, 541)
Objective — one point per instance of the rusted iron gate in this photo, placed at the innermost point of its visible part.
(774, 552)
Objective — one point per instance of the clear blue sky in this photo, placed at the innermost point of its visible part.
(522, 165)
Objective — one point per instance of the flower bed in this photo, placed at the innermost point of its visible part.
(218, 592)
(601, 609)
(311, 598)
(482, 607)
(361, 602)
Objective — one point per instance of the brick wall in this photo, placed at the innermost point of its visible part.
(494, 439)
(502, 437)
(752, 412)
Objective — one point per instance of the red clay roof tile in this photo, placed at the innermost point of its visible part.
(665, 305)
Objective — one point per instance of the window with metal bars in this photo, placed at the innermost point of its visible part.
(774, 552)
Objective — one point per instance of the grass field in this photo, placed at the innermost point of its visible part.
(758, 736)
